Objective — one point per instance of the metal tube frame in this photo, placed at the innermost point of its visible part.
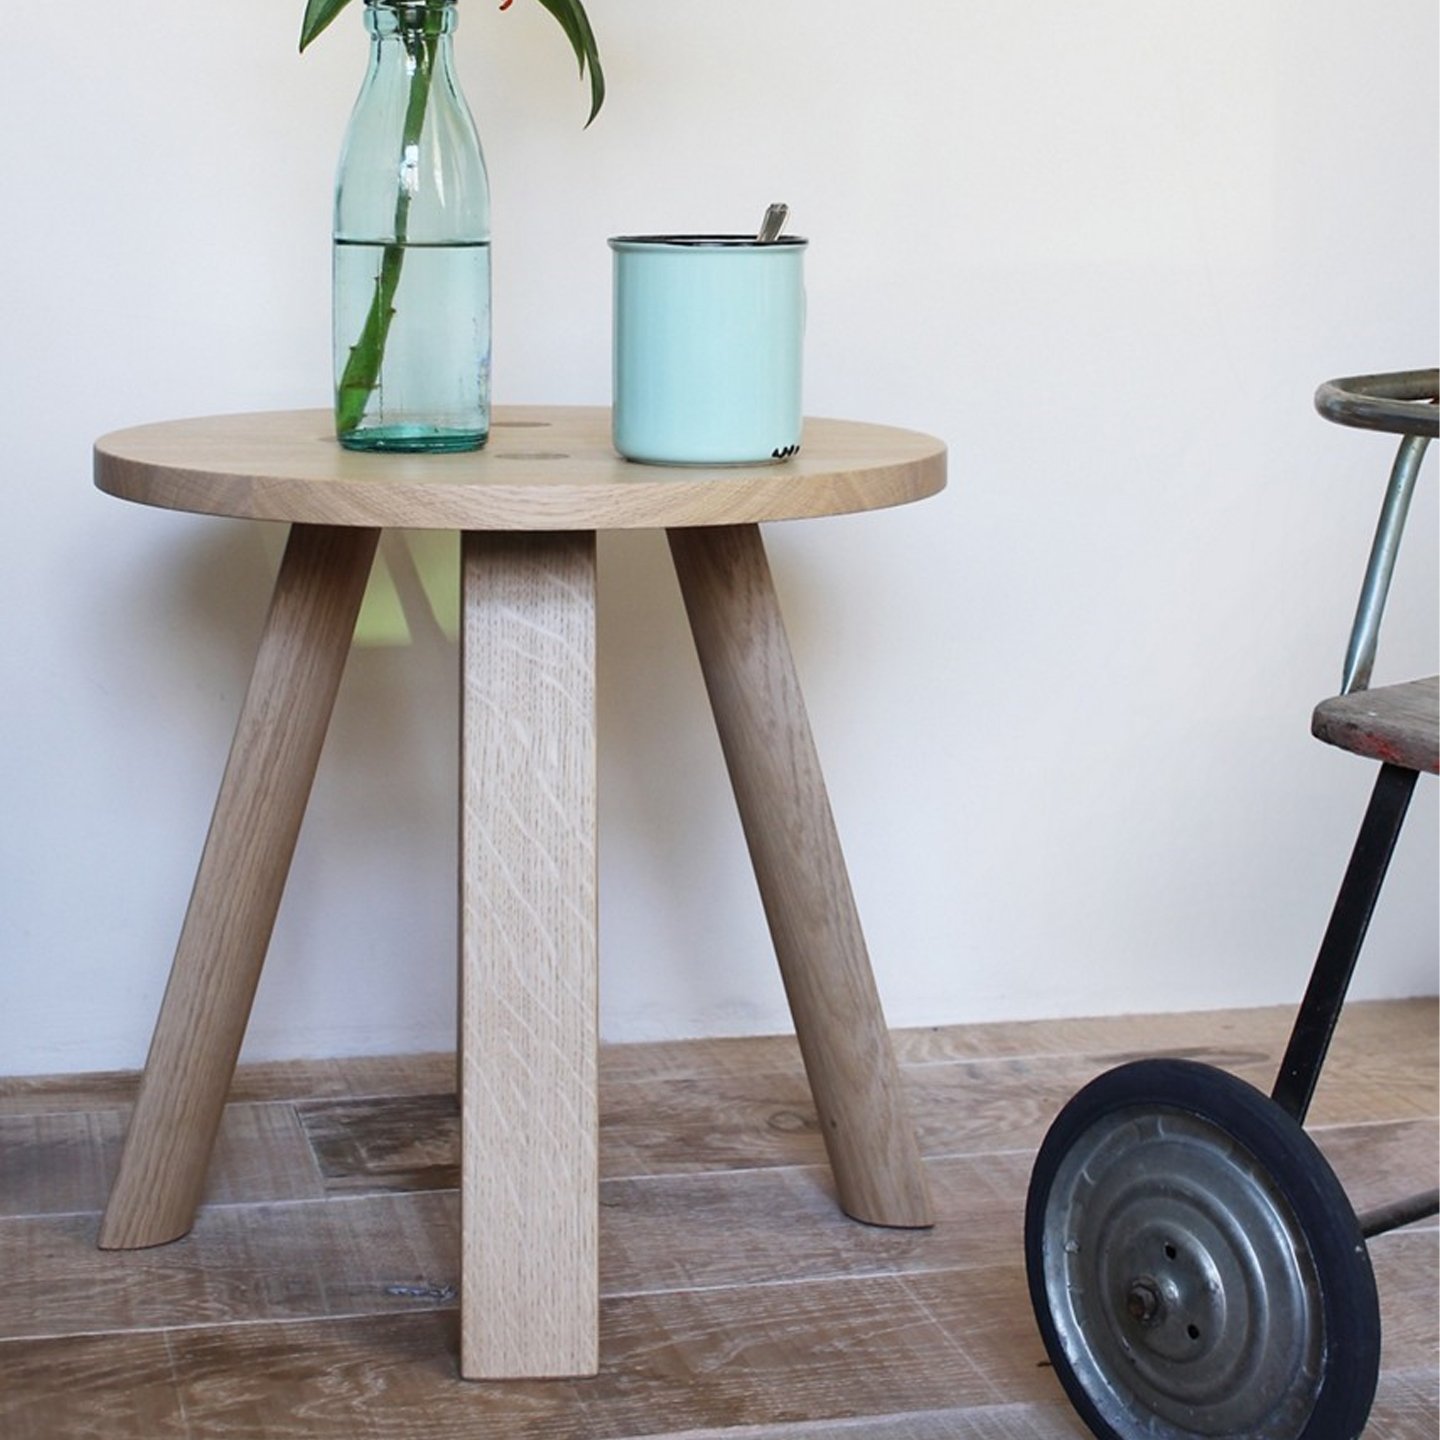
(1384, 1218)
(1350, 919)
(1360, 654)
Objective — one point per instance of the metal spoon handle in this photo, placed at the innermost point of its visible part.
(773, 223)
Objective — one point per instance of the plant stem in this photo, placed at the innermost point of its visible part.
(362, 369)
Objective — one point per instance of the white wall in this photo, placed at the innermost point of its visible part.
(1105, 250)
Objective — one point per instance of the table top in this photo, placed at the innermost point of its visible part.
(545, 468)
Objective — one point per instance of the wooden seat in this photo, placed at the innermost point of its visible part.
(1396, 724)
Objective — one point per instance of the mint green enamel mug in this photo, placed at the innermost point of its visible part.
(709, 331)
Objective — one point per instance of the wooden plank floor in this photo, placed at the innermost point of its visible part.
(316, 1296)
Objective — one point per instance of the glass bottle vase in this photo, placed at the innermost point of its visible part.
(412, 246)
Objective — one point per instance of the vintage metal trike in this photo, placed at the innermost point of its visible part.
(1195, 1266)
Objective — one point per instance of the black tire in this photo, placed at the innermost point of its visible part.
(1195, 1266)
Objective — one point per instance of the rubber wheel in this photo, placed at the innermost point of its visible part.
(1195, 1266)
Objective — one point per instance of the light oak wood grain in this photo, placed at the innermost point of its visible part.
(239, 884)
(528, 959)
(785, 812)
(545, 468)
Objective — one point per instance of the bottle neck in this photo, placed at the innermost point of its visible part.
(410, 41)
(413, 24)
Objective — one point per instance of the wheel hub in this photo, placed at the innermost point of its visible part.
(1145, 1303)
(1174, 1299)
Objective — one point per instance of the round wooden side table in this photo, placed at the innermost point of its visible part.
(528, 506)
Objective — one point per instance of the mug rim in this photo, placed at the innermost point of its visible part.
(705, 242)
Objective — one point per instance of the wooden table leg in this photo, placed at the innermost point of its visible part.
(529, 1297)
(238, 885)
(765, 734)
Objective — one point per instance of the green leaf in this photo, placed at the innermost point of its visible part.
(318, 14)
(576, 25)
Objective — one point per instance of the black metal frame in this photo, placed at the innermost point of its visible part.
(1340, 949)
(1334, 966)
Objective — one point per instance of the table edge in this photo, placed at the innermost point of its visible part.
(724, 495)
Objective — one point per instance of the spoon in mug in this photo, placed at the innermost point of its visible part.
(772, 224)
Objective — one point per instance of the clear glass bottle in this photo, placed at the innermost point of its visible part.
(412, 246)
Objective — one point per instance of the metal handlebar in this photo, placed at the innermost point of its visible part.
(1402, 403)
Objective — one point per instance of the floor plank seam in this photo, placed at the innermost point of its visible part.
(231, 1323)
(790, 1282)
(816, 1281)
(212, 1207)
(933, 1157)
(124, 1107)
(863, 1424)
(1393, 1123)
(53, 1215)
(1103, 1058)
